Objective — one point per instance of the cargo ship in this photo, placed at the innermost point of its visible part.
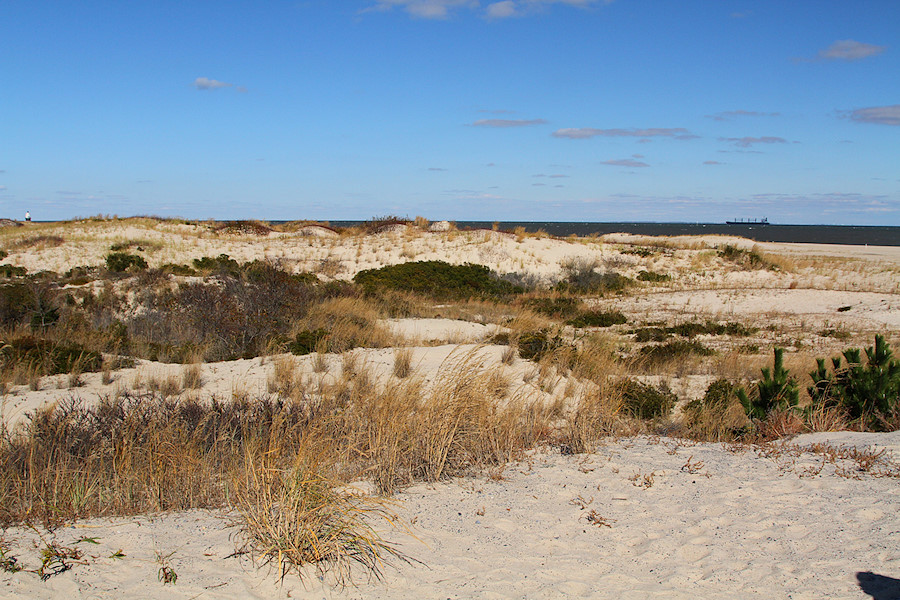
(763, 221)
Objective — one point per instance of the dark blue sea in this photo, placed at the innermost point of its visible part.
(815, 234)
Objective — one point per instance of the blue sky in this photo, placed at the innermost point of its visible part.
(541, 110)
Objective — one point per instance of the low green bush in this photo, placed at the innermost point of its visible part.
(583, 279)
(718, 416)
(651, 277)
(437, 279)
(533, 345)
(182, 270)
(650, 334)
(553, 306)
(645, 401)
(748, 259)
(12, 271)
(119, 262)
(48, 357)
(673, 350)
(306, 342)
(690, 330)
(598, 318)
(222, 264)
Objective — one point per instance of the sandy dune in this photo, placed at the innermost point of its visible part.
(641, 518)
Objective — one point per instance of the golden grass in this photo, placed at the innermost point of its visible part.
(297, 516)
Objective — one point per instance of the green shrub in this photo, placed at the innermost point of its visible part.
(646, 401)
(222, 264)
(12, 271)
(652, 277)
(673, 350)
(598, 318)
(48, 357)
(776, 390)
(119, 262)
(183, 270)
(690, 330)
(650, 334)
(555, 306)
(437, 279)
(867, 392)
(3, 254)
(306, 342)
(581, 277)
(718, 416)
(748, 259)
(533, 345)
(639, 251)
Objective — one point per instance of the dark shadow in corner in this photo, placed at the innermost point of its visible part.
(879, 586)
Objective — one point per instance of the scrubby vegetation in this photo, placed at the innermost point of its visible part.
(437, 279)
(597, 318)
(747, 259)
(279, 458)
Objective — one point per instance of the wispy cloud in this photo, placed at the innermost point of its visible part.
(438, 169)
(730, 115)
(879, 115)
(846, 50)
(746, 142)
(204, 83)
(503, 9)
(712, 162)
(582, 133)
(503, 123)
(849, 50)
(625, 162)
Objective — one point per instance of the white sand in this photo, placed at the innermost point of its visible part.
(741, 525)
(747, 524)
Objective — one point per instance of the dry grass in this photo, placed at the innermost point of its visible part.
(297, 516)
(402, 362)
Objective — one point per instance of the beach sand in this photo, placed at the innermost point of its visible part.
(643, 517)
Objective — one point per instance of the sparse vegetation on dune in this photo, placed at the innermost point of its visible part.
(581, 362)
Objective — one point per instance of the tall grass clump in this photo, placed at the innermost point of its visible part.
(718, 416)
(296, 516)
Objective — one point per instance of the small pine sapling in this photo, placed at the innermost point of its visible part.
(864, 391)
(776, 389)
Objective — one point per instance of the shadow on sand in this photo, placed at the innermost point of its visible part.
(879, 586)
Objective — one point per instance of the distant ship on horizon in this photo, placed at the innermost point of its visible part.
(763, 221)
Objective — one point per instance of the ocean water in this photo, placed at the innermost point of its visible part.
(815, 234)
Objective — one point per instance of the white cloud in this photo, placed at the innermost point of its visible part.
(424, 9)
(502, 123)
(728, 115)
(503, 9)
(203, 83)
(879, 115)
(849, 50)
(581, 133)
(711, 162)
(746, 142)
(625, 162)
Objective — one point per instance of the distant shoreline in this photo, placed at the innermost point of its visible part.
(850, 235)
